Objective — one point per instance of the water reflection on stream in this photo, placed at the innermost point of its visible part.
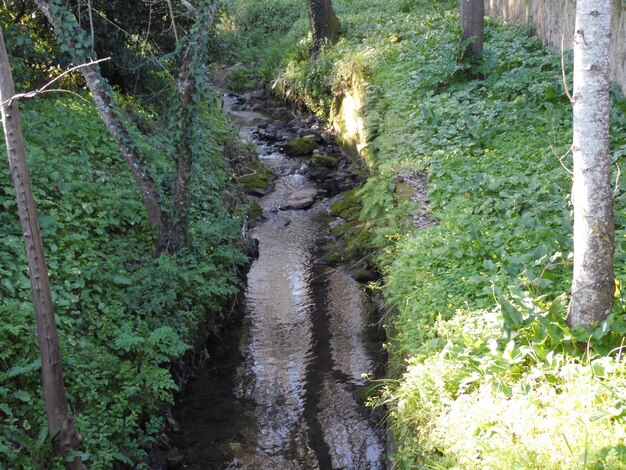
(292, 391)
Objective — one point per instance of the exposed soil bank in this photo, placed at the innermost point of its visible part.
(283, 388)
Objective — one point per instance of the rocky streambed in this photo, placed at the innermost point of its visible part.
(284, 385)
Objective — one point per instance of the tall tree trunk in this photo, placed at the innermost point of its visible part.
(178, 233)
(472, 13)
(76, 40)
(593, 286)
(187, 90)
(324, 23)
(61, 424)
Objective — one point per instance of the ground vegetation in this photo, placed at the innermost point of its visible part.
(484, 370)
(127, 313)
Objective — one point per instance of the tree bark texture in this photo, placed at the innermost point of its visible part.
(593, 286)
(324, 23)
(69, 33)
(471, 17)
(192, 64)
(61, 424)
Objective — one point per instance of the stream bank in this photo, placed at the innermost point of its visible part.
(285, 383)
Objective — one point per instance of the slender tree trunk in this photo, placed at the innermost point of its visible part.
(68, 32)
(186, 89)
(179, 231)
(61, 424)
(324, 23)
(593, 286)
(472, 13)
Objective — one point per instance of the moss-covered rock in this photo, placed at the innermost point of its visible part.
(299, 147)
(403, 192)
(348, 208)
(255, 211)
(323, 160)
(259, 176)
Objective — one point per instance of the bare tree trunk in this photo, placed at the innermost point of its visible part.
(324, 23)
(593, 286)
(61, 424)
(472, 13)
(68, 31)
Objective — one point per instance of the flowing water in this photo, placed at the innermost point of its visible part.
(283, 388)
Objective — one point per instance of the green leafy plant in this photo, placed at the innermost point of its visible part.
(484, 370)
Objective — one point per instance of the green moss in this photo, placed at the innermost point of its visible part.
(344, 229)
(255, 211)
(403, 192)
(298, 147)
(259, 176)
(321, 160)
(348, 208)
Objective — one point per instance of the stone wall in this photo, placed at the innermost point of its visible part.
(552, 18)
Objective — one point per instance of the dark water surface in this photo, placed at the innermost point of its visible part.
(282, 388)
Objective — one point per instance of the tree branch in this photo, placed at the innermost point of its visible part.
(44, 89)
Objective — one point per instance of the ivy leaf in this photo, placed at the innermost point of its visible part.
(22, 395)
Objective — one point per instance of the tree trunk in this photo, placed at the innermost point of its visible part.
(324, 23)
(68, 32)
(186, 89)
(472, 13)
(593, 286)
(178, 233)
(61, 424)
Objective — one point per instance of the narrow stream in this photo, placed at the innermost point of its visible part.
(283, 388)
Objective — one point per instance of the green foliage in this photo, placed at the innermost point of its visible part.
(488, 373)
(32, 50)
(124, 316)
(260, 34)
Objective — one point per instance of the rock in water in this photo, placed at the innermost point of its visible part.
(317, 136)
(298, 147)
(302, 199)
(323, 160)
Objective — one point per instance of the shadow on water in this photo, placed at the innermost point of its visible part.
(282, 388)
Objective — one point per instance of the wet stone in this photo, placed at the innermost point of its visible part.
(311, 133)
(323, 160)
(302, 199)
(299, 147)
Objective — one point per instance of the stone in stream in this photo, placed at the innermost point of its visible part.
(363, 275)
(312, 133)
(302, 199)
(318, 174)
(257, 192)
(299, 147)
(323, 160)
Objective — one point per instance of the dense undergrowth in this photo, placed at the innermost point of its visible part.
(125, 316)
(485, 371)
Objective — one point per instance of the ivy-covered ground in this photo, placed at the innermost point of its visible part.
(124, 314)
(484, 371)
